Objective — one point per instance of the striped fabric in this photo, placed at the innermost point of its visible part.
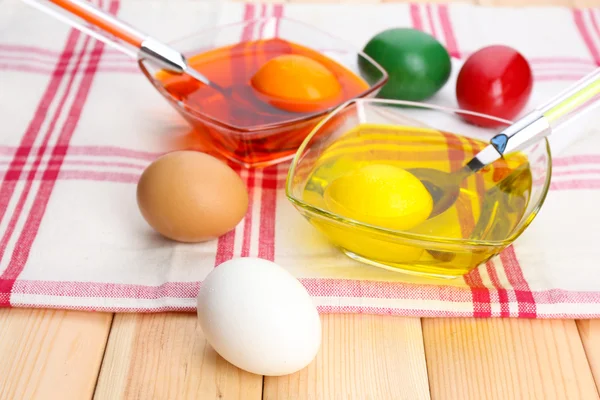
(80, 123)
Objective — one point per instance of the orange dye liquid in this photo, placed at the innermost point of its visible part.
(252, 142)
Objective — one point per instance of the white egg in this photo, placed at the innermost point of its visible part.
(259, 317)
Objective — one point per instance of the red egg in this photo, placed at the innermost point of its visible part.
(495, 80)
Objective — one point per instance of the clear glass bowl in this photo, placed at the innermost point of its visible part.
(441, 247)
(265, 144)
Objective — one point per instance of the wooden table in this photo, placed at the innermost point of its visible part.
(48, 354)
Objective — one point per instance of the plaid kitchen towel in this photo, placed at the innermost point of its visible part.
(79, 123)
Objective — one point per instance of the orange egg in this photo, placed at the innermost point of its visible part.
(297, 83)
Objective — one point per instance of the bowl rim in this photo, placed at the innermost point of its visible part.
(523, 224)
(276, 125)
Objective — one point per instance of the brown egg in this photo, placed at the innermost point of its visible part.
(189, 196)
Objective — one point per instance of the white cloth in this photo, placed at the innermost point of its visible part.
(72, 146)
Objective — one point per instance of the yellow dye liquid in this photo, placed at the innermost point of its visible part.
(363, 177)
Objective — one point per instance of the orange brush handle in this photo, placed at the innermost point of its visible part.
(102, 20)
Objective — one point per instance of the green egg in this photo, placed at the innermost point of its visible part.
(417, 64)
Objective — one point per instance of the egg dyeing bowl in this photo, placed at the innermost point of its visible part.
(254, 143)
(494, 207)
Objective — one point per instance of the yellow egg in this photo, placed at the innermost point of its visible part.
(297, 83)
(189, 196)
(379, 194)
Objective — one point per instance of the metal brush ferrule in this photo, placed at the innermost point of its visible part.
(525, 131)
(165, 56)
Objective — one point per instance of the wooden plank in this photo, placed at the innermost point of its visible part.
(506, 359)
(528, 3)
(430, 1)
(165, 356)
(361, 357)
(49, 354)
(589, 330)
(586, 3)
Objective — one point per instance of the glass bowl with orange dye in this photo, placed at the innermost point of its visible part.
(242, 124)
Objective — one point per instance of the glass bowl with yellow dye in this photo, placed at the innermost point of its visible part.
(351, 180)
